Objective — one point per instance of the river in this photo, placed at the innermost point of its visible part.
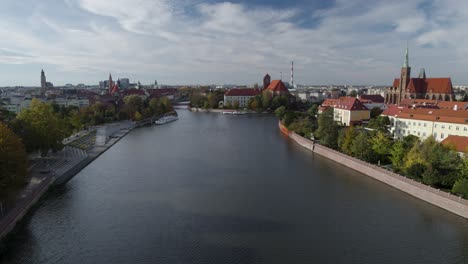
(210, 188)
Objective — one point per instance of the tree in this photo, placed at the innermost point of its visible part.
(235, 105)
(312, 111)
(212, 103)
(347, 140)
(41, 128)
(327, 130)
(380, 123)
(381, 146)
(353, 93)
(361, 147)
(12, 158)
(375, 112)
(266, 99)
(280, 112)
(461, 187)
(397, 155)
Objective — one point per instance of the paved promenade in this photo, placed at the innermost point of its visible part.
(80, 150)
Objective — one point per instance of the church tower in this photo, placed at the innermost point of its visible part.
(111, 84)
(404, 79)
(266, 81)
(43, 82)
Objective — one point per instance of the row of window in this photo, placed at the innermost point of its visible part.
(457, 128)
(408, 132)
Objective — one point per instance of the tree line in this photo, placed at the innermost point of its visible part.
(425, 161)
(41, 128)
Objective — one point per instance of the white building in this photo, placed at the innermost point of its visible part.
(241, 96)
(424, 122)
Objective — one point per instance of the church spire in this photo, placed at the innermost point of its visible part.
(406, 64)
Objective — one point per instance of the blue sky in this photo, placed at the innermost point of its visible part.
(216, 42)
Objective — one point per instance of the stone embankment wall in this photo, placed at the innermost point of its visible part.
(426, 193)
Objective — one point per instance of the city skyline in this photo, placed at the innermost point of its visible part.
(213, 42)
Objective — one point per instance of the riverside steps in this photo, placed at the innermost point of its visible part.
(75, 156)
(444, 200)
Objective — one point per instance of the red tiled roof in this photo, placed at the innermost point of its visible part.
(435, 115)
(350, 103)
(428, 85)
(242, 92)
(375, 98)
(277, 86)
(134, 92)
(392, 110)
(460, 143)
(452, 105)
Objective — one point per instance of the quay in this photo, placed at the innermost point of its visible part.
(80, 150)
(441, 199)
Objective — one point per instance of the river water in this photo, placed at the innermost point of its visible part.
(210, 188)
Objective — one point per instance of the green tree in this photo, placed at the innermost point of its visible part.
(13, 158)
(266, 99)
(312, 111)
(235, 105)
(461, 187)
(397, 155)
(348, 135)
(212, 103)
(353, 93)
(280, 112)
(361, 148)
(42, 129)
(375, 112)
(327, 130)
(381, 145)
(380, 123)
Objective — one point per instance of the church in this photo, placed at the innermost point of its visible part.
(418, 88)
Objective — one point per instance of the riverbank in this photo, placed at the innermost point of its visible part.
(196, 109)
(447, 201)
(40, 183)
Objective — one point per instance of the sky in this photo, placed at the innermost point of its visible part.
(236, 42)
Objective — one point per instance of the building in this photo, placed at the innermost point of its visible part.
(459, 143)
(424, 122)
(124, 83)
(43, 82)
(350, 111)
(372, 101)
(277, 87)
(266, 81)
(240, 96)
(418, 88)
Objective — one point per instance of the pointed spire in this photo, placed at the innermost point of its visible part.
(406, 64)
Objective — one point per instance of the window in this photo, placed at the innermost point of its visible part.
(450, 127)
(419, 123)
(443, 126)
(425, 124)
(424, 134)
(414, 123)
(465, 129)
(435, 125)
(457, 128)
(442, 135)
(435, 135)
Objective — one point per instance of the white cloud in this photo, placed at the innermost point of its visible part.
(188, 41)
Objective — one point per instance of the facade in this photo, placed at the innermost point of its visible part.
(424, 122)
(241, 96)
(418, 88)
(350, 111)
